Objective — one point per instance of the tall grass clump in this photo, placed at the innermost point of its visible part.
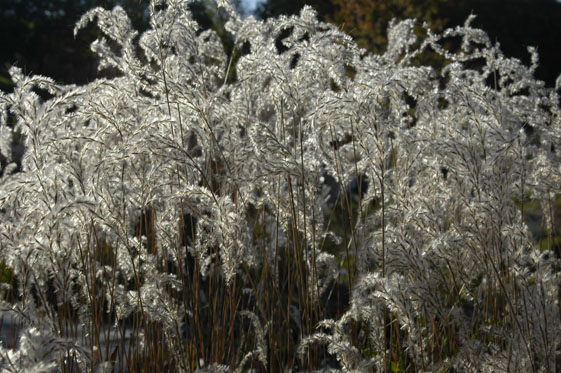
(295, 204)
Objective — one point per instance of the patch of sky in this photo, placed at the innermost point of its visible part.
(251, 5)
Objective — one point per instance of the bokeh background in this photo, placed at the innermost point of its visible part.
(37, 34)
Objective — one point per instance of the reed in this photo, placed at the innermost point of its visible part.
(320, 209)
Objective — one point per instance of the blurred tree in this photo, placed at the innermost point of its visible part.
(516, 24)
(368, 20)
(42, 42)
(274, 8)
(41, 39)
(37, 42)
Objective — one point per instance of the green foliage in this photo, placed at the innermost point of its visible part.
(6, 274)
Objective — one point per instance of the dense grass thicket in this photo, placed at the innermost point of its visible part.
(294, 204)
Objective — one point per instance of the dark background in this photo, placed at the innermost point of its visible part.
(37, 35)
